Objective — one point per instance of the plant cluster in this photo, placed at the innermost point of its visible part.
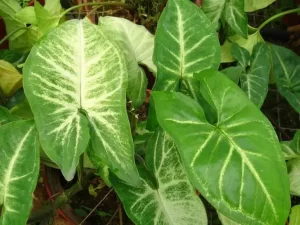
(204, 130)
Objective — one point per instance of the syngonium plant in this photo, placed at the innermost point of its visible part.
(208, 135)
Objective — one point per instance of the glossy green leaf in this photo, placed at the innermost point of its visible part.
(294, 175)
(27, 15)
(183, 47)
(19, 169)
(295, 215)
(22, 110)
(241, 55)
(233, 73)
(80, 92)
(137, 43)
(10, 78)
(287, 73)
(174, 201)
(255, 79)
(46, 20)
(248, 44)
(5, 116)
(252, 184)
(291, 149)
(253, 5)
(230, 11)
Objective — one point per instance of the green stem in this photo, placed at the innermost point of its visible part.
(278, 16)
(11, 34)
(98, 4)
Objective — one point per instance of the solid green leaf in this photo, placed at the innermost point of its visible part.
(230, 11)
(5, 116)
(19, 170)
(295, 215)
(53, 6)
(236, 163)
(10, 78)
(22, 110)
(291, 149)
(9, 7)
(233, 73)
(46, 20)
(27, 15)
(182, 46)
(253, 5)
(287, 73)
(241, 55)
(12, 57)
(174, 201)
(294, 175)
(255, 79)
(137, 43)
(248, 44)
(81, 92)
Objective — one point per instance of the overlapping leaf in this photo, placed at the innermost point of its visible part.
(173, 201)
(253, 5)
(230, 11)
(291, 149)
(10, 78)
(19, 169)
(255, 78)
(138, 44)
(85, 87)
(295, 215)
(294, 175)
(182, 46)
(286, 68)
(242, 148)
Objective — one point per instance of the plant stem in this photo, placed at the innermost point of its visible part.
(11, 34)
(58, 202)
(96, 3)
(278, 16)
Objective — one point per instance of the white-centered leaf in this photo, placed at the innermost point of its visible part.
(76, 79)
(235, 163)
(241, 55)
(138, 44)
(174, 201)
(286, 68)
(229, 11)
(182, 46)
(253, 5)
(19, 169)
(255, 79)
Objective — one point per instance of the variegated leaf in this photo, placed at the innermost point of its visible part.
(137, 43)
(85, 87)
(253, 5)
(286, 68)
(291, 149)
(19, 169)
(255, 79)
(294, 175)
(295, 215)
(182, 46)
(174, 201)
(241, 55)
(230, 11)
(236, 163)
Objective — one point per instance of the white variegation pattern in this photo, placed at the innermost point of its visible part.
(19, 169)
(137, 43)
(76, 79)
(294, 175)
(183, 47)
(251, 186)
(213, 10)
(174, 202)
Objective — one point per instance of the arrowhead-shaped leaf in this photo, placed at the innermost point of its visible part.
(286, 68)
(183, 47)
(19, 169)
(85, 87)
(174, 201)
(230, 11)
(235, 163)
(138, 44)
(255, 78)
